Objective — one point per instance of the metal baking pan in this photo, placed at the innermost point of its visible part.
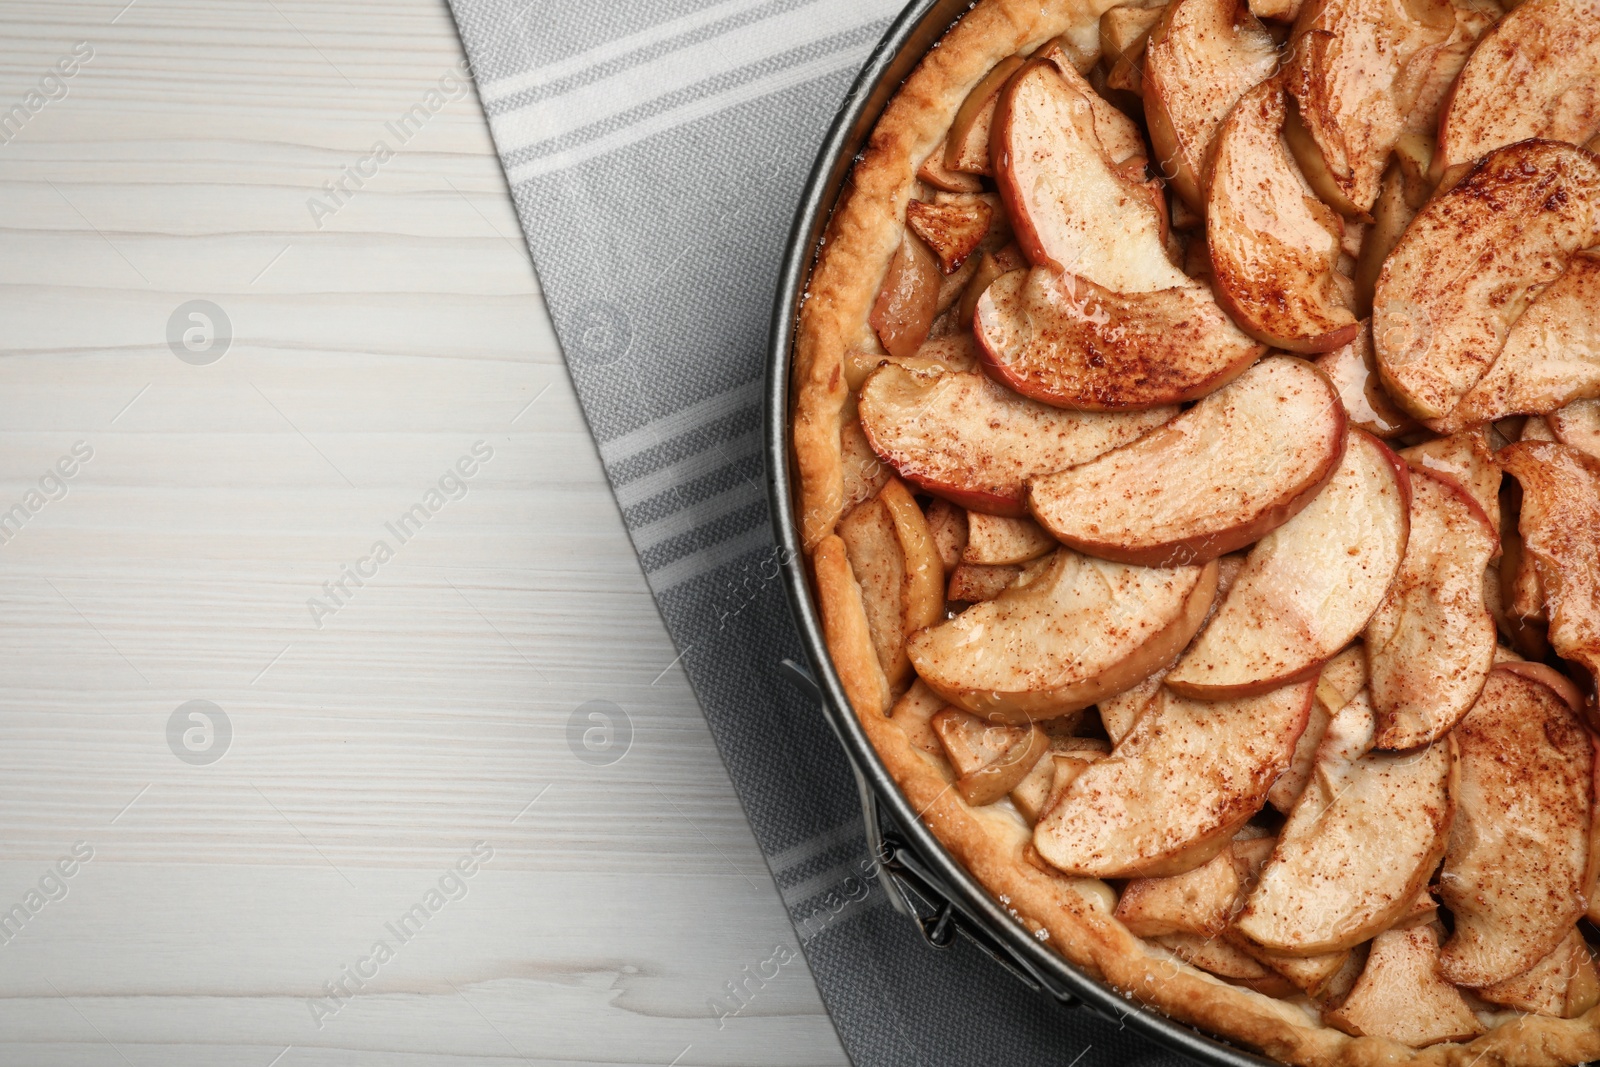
(923, 881)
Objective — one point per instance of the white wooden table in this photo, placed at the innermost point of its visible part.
(234, 883)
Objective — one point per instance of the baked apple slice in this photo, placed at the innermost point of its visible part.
(1310, 586)
(1279, 430)
(1401, 996)
(1202, 56)
(994, 540)
(967, 144)
(1551, 355)
(1177, 788)
(1472, 261)
(1360, 844)
(894, 560)
(1341, 679)
(908, 299)
(1353, 370)
(1578, 425)
(974, 442)
(1466, 457)
(1532, 75)
(989, 759)
(951, 226)
(1348, 57)
(1425, 84)
(1514, 872)
(1063, 636)
(1560, 527)
(1431, 642)
(1564, 984)
(1064, 760)
(975, 582)
(1071, 205)
(1274, 246)
(1064, 340)
(1200, 901)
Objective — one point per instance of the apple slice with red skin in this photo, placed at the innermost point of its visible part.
(967, 144)
(1431, 642)
(1551, 354)
(1062, 636)
(1106, 320)
(1063, 340)
(974, 442)
(1202, 56)
(1311, 585)
(1359, 845)
(908, 299)
(1274, 247)
(1532, 75)
(1354, 373)
(1513, 875)
(1220, 476)
(1471, 262)
(1578, 424)
(1346, 58)
(1177, 788)
(1560, 528)
(1071, 205)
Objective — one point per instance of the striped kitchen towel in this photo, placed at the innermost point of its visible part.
(656, 150)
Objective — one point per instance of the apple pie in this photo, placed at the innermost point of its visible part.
(1197, 429)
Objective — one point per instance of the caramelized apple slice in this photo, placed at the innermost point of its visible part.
(1062, 637)
(1354, 373)
(1310, 586)
(1551, 354)
(1532, 75)
(1560, 527)
(907, 300)
(972, 441)
(1425, 83)
(1274, 247)
(951, 227)
(1360, 844)
(1167, 498)
(1401, 996)
(1348, 56)
(1118, 713)
(1178, 786)
(1431, 642)
(1201, 58)
(947, 523)
(1514, 873)
(1063, 340)
(1563, 984)
(1471, 262)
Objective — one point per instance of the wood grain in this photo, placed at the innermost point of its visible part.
(431, 710)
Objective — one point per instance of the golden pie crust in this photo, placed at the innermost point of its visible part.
(1072, 915)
